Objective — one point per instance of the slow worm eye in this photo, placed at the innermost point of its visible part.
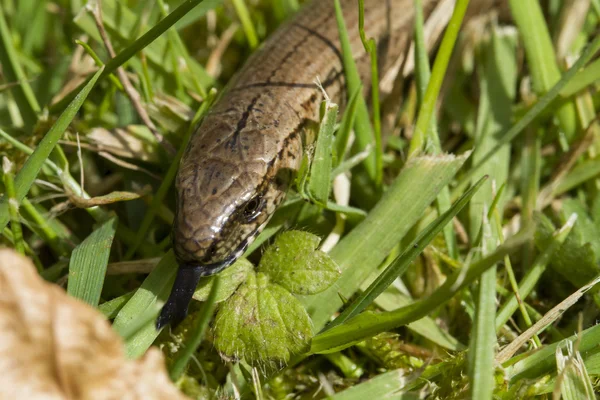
(252, 209)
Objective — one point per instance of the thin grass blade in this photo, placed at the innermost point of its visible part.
(88, 263)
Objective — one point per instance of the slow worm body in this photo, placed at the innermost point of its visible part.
(239, 162)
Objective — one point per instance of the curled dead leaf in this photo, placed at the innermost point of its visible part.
(55, 347)
(110, 198)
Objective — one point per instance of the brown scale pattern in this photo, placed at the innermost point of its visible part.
(254, 130)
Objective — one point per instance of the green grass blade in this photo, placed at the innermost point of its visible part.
(146, 302)
(111, 308)
(147, 38)
(437, 77)
(360, 252)
(575, 382)
(482, 343)
(534, 273)
(583, 79)
(541, 57)
(33, 165)
(540, 362)
(423, 74)
(371, 48)
(319, 182)
(343, 134)
(197, 333)
(244, 15)
(393, 298)
(384, 386)
(12, 71)
(13, 206)
(401, 263)
(368, 323)
(498, 84)
(87, 266)
(362, 125)
(534, 111)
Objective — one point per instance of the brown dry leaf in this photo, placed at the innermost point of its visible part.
(55, 347)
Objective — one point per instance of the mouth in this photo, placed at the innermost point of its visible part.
(212, 268)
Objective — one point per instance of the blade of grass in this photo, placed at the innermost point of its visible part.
(319, 182)
(368, 323)
(196, 334)
(498, 71)
(362, 125)
(423, 74)
(542, 361)
(483, 341)
(360, 252)
(437, 77)
(343, 134)
(247, 25)
(583, 79)
(31, 169)
(371, 48)
(111, 308)
(534, 273)
(541, 57)
(13, 73)
(181, 53)
(87, 267)
(550, 317)
(13, 206)
(401, 263)
(147, 299)
(393, 298)
(142, 42)
(383, 386)
(573, 381)
(533, 112)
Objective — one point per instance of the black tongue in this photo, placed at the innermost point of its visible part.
(176, 308)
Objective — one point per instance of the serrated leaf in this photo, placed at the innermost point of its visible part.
(230, 278)
(261, 323)
(293, 262)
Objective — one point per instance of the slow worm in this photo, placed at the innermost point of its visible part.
(240, 160)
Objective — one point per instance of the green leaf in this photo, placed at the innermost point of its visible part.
(34, 163)
(231, 278)
(89, 260)
(262, 323)
(293, 262)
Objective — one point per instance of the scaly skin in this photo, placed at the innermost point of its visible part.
(239, 162)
